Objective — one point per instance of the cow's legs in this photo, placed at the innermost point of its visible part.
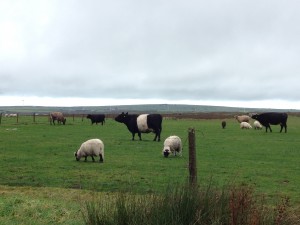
(140, 135)
(157, 135)
(268, 126)
(285, 127)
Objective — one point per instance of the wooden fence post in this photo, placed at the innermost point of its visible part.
(0, 117)
(192, 157)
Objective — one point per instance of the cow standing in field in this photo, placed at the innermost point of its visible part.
(144, 123)
(273, 118)
(96, 118)
(57, 116)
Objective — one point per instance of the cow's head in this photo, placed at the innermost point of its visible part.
(254, 116)
(123, 117)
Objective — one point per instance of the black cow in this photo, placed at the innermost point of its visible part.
(144, 123)
(273, 118)
(96, 118)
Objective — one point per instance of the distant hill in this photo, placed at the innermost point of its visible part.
(149, 108)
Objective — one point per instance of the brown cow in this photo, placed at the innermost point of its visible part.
(57, 116)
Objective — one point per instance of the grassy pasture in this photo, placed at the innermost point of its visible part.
(38, 155)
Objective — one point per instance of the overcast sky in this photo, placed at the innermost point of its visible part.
(94, 52)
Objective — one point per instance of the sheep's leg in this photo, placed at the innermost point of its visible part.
(85, 158)
(93, 158)
(101, 158)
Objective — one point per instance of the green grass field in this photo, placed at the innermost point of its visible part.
(39, 158)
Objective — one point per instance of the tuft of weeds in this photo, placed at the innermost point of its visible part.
(189, 206)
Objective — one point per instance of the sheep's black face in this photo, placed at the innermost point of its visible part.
(166, 153)
(75, 154)
(64, 121)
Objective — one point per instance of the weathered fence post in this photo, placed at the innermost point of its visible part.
(0, 117)
(192, 157)
(17, 117)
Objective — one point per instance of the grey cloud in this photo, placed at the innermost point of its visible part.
(224, 50)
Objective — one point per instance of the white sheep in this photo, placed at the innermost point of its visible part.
(92, 147)
(173, 145)
(257, 125)
(243, 118)
(245, 125)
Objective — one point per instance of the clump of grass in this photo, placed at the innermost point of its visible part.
(189, 206)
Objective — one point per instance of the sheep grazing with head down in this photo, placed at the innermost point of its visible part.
(245, 125)
(257, 125)
(92, 147)
(172, 145)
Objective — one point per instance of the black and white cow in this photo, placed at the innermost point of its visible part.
(273, 118)
(144, 123)
(96, 118)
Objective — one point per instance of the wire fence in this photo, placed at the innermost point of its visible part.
(6, 118)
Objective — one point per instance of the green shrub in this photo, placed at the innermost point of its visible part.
(189, 206)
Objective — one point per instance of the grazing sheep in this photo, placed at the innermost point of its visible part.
(173, 145)
(245, 125)
(223, 124)
(257, 125)
(243, 118)
(11, 115)
(92, 147)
